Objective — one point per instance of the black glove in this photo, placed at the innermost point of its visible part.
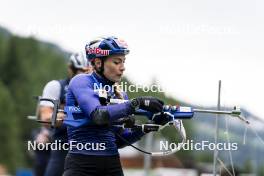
(150, 104)
(161, 119)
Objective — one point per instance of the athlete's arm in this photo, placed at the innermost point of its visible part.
(129, 136)
(51, 91)
(88, 100)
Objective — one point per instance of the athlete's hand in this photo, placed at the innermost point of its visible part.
(151, 104)
(161, 119)
(60, 118)
(43, 137)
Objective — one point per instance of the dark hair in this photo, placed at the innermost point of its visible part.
(100, 70)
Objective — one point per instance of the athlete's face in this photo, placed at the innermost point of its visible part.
(114, 66)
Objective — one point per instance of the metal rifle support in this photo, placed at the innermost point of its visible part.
(56, 109)
(56, 104)
(235, 113)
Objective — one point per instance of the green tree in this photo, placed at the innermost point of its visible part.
(248, 168)
(10, 150)
(26, 66)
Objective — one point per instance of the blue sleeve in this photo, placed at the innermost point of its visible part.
(88, 100)
(125, 95)
(129, 136)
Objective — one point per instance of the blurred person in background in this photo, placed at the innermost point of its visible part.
(41, 157)
(3, 170)
(57, 89)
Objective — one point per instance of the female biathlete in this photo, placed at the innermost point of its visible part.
(99, 153)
